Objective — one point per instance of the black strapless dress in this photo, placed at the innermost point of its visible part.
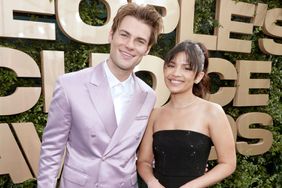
(180, 156)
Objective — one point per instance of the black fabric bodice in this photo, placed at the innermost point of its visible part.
(180, 156)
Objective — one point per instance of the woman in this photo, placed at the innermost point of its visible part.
(179, 135)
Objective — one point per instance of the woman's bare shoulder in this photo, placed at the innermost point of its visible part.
(155, 112)
(211, 109)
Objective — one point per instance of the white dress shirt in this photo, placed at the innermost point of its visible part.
(122, 92)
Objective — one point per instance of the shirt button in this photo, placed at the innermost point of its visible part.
(97, 185)
(122, 184)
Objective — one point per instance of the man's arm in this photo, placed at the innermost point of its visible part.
(54, 139)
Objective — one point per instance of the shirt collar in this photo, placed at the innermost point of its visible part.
(113, 81)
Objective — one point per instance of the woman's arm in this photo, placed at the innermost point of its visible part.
(222, 137)
(146, 156)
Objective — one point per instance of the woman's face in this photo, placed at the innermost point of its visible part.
(178, 75)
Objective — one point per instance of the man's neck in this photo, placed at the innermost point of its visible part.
(120, 74)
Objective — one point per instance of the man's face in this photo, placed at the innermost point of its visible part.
(129, 44)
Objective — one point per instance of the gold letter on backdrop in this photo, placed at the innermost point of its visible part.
(71, 24)
(30, 143)
(269, 46)
(52, 65)
(244, 83)
(265, 136)
(261, 10)
(10, 27)
(186, 24)
(12, 161)
(154, 65)
(226, 71)
(23, 98)
(227, 8)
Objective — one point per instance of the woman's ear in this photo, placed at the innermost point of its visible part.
(199, 77)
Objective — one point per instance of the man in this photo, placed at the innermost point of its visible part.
(99, 114)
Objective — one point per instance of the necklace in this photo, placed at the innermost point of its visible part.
(184, 106)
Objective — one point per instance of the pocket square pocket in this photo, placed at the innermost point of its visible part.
(141, 117)
(74, 175)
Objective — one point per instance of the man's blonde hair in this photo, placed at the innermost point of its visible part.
(146, 13)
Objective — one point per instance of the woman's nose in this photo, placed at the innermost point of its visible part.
(176, 71)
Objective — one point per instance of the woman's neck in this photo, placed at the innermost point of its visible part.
(182, 100)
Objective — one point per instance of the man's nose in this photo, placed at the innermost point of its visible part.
(130, 43)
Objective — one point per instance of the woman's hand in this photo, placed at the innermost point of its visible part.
(154, 183)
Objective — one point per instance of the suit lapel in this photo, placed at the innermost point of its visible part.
(101, 97)
(127, 120)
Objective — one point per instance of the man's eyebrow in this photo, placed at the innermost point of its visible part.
(122, 30)
(142, 39)
(138, 38)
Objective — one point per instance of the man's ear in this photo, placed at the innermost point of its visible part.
(110, 36)
(199, 77)
(148, 50)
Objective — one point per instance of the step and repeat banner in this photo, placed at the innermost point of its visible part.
(20, 141)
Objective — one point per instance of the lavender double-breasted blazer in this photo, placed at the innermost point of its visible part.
(82, 120)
